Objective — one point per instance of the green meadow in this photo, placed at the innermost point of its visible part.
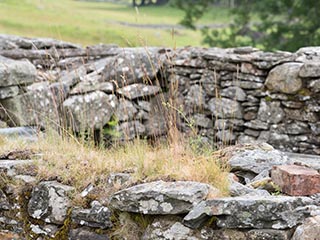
(90, 23)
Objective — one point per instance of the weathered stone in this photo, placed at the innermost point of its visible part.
(92, 110)
(257, 124)
(97, 216)
(228, 124)
(252, 133)
(161, 197)
(301, 115)
(16, 72)
(246, 139)
(237, 189)
(47, 230)
(133, 67)
(310, 69)
(270, 112)
(314, 85)
(91, 86)
(49, 202)
(309, 230)
(292, 104)
(234, 93)
(82, 234)
(225, 108)
(25, 133)
(261, 212)
(201, 120)
(26, 178)
(38, 107)
(293, 128)
(251, 69)
(130, 130)
(4, 203)
(166, 228)
(307, 160)
(226, 136)
(195, 98)
(249, 77)
(7, 92)
(257, 160)
(125, 110)
(285, 78)
(138, 90)
(296, 180)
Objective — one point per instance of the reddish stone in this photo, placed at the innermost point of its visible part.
(296, 180)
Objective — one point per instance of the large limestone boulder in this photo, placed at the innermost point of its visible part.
(92, 110)
(49, 202)
(161, 197)
(261, 212)
(285, 78)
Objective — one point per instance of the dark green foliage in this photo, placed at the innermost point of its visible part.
(269, 24)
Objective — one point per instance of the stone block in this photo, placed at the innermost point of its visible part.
(296, 180)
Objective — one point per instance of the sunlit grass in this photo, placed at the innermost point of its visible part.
(94, 22)
(79, 164)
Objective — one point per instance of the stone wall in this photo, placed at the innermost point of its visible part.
(120, 208)
(226, 95)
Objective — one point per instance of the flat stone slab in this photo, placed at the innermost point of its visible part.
(312, 161)
(161, 197)
(259, 212)
(258, 160)
(296, 180)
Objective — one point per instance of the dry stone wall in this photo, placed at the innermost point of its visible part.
(226, 95)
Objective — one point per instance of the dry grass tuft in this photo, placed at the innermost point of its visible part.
(71, 162)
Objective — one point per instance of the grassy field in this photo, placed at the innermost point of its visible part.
(96, 22)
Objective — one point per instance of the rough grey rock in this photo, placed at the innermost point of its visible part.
(307, 160)
(130, 130)
(133, 67)
(83, 234)
(91, 86)
(201, 120)
(119, 179)
(97, 216)
(301, 115)
(260, 212)
(138, 90)
(285, 78)
(257, 160)
(237, 189)
(315, 128)
(309, 230)
(225, 108)
(257, 124)
(49, 202)
(195, 98)
(26, 133)
(7, 92)
(310, 69)
(4, 203)
(234, 93)
(314, 85)
(16, 72)
(161, 197)
(173, 229)
(39, 106)
(92, 110)
(270, 112)
(292, 128)
(125, 110)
